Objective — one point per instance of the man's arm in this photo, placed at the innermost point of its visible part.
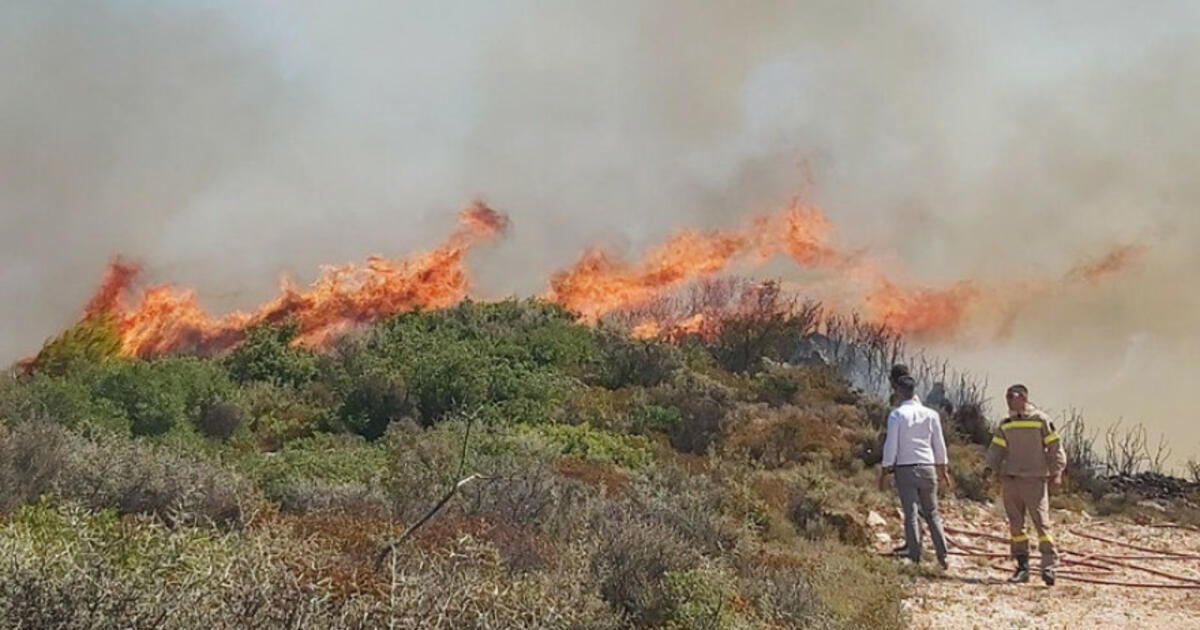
(1056, 456)
(941, 459)
(891, 443)
(890, 446)
(996, 452)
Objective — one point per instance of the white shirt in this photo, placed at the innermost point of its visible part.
(914, 436)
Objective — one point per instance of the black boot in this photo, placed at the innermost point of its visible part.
(1021, 575)
(1048, 575)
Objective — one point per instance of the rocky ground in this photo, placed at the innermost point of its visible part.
(973, 593)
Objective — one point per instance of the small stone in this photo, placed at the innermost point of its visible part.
(875, 520)
(883, 538)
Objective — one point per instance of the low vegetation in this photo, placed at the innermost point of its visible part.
(710, 482)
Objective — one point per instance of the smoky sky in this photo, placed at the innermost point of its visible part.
(226, 143)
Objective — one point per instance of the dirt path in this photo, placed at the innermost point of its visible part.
(973, 594)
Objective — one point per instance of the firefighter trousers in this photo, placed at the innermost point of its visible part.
(1028, 495)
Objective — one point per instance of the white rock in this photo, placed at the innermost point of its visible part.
(883, 538)
(875, 520)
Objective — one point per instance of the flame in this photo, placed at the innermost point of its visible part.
(166, 319)
(642, 293)
(1114, 262)
(600, 282)
(918, 309)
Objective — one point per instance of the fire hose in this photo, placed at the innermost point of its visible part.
(1091, 568)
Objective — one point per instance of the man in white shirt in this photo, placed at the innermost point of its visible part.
(915, 451)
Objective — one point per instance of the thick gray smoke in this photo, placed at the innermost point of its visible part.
(224, 143)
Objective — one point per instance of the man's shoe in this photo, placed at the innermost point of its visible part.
(901, 551)
(1049, 576)
(943, 564)
(1020, 576)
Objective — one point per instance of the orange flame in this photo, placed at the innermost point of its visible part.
(166, 319)
(600, 283)
(1115, 261)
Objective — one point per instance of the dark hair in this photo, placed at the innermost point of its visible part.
(905, 385)
(898, 371)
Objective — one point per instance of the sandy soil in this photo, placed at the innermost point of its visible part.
(973, 593)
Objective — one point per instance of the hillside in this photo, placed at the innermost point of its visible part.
(719, 480)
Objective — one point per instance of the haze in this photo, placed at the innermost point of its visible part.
(224, 143)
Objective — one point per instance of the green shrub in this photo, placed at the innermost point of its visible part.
(370, 392)
(333, 463)
(581, 440)
(635, 362)
(220, 420)
(703, 404)
(68, 400)
(267, 355)
(699, 599)
(276, 415)
(802, 385)
(160, 395)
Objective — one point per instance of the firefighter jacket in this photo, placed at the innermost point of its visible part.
(1025, 445)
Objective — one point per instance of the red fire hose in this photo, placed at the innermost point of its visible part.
(1094, 568)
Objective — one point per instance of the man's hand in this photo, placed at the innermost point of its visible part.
(882, 480)
(1056, 482)
(947, 481)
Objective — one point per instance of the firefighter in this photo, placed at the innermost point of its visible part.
(1027, 455)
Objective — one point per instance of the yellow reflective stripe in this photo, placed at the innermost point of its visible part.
(999, 441)
(1046, 539)
(1020, 538)
(1022, 424)
(1053, 437)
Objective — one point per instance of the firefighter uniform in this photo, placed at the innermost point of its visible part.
(1026, 452)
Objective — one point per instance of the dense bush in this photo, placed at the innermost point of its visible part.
(31, 457)
(621, 482)
(635, 362)
(267, 354)
(703, 405)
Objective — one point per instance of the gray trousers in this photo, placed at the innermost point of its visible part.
(918, 487)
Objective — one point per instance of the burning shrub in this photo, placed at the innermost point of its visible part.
(767, 324)
(90, 342)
